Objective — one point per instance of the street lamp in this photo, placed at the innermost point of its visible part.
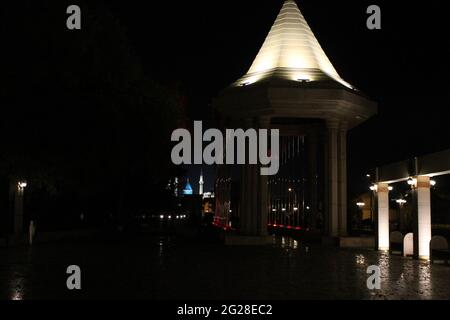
(18, 206)
(412, 182)
(360, 213)
(22, 185)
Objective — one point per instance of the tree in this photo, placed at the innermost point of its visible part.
(80, 119)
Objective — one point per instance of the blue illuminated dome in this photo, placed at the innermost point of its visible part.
(188, 189)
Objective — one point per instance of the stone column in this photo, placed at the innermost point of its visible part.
(342, 180)
(253, 196)
(246, 181)
(250, 195)
(422, 219)
(383, 216)
(263, 187)
(312, 142)
(333, 176)
(243, 208)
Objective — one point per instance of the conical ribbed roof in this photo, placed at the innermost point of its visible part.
(291, 52)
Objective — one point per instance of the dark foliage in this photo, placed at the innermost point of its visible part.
(80, 119)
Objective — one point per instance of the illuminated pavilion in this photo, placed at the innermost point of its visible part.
(292, 86)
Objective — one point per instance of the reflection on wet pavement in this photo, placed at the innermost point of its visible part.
(171, 268)
(16, 286)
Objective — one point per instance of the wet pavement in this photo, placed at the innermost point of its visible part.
(172, 268)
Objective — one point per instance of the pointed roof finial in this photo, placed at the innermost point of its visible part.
(291, 52)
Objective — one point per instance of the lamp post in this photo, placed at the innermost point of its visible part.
(295, 211)
(18, 206)
(372, 215)
(290, 213)
(360, 206)
(401, 203)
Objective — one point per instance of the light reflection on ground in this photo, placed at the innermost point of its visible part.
(170, 268)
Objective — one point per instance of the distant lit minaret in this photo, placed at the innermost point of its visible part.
(200, 184)
(175, 187)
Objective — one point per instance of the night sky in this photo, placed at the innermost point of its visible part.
(203, 46)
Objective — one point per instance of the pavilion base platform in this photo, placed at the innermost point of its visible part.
(330, 241)
(357, 242)
(241, 240)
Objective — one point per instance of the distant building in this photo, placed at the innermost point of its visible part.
(200, 184)
(188, 189)
(208, 203)
(176, 187)
(208, 195)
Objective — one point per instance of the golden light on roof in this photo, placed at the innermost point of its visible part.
(291, 51)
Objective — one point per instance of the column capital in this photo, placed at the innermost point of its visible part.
(249, 123)
(382, 187)
(264, 122)
(332, 124)
(423, 182)
(343, 126)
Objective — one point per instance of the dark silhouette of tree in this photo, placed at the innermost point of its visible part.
(80, 119)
